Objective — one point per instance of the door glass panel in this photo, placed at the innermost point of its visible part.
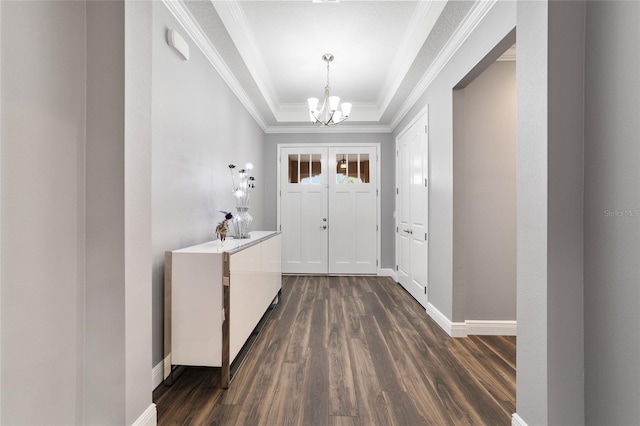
(364, 168)
(341, 165)
(304, 168)
(293, 168)
(316, 169)
(352, 168)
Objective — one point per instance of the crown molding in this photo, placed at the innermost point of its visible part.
(420, 27)
(238, 27)
(464, 30)
(195, 32)
(310, 128)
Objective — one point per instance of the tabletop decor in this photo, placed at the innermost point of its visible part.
(242, 190)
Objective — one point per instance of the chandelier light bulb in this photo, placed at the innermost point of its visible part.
(313, 104)
(346, 109)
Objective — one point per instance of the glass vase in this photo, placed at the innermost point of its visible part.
(242, 222)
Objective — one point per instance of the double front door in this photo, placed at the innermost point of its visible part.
(328, 209)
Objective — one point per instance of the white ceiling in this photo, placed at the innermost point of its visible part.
(272, 51)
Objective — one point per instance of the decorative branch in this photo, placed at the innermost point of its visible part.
(242, 191)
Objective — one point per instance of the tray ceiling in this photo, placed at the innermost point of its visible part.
(272, 50)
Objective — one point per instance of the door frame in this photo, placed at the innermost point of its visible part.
(332, 145)
(424, 112)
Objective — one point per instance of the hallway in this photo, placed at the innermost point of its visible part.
(352, 350)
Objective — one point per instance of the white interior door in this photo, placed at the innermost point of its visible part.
(412, 209)
(303, 210)
(353, 230)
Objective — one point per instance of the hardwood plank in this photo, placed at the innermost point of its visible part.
(315, 409)
(342, 399)
(287, 399)
(373, 408)
(343, 421)
(351, 350)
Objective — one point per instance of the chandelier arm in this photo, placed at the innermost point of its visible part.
(341, 120)
(316, 118)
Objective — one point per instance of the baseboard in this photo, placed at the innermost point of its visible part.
(516, 420)
(388, 272)
(445, 323)
(157, 375)
(148, 418)
(472, 327)
(492, 328)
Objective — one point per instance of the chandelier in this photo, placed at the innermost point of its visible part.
(327, 114)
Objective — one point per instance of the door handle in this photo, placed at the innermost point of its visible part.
(407, 231)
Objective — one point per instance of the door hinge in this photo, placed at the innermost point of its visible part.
(397, 191)
(396, 229)
(425, 289)
(426, 128)
(376, 192)
(377, 228)
(396, 267)
(280, 227)
(397, 153)
(426, 182)
(281, 193)
(376, 262)
(425, 236)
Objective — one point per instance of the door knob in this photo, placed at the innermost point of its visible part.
(323, 227)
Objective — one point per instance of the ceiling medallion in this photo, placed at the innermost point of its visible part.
(328, 114)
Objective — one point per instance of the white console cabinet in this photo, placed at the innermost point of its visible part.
(215, 295)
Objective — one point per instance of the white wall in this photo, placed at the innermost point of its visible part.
(199, 128)
(612, 213)
(484, 199)
(497, 24)
(386, 179)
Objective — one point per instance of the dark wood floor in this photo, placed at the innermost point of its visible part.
(352, 351)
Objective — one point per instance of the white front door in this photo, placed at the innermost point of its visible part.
(328, 210)
(303, 211)
(412, 209)
(352, 210)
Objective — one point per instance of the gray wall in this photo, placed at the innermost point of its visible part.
(43, 143)
(497, 24)
(550, 385)
(199, 128)
(386, 179)
(76, 282)
(484, 195)
(612, 213)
